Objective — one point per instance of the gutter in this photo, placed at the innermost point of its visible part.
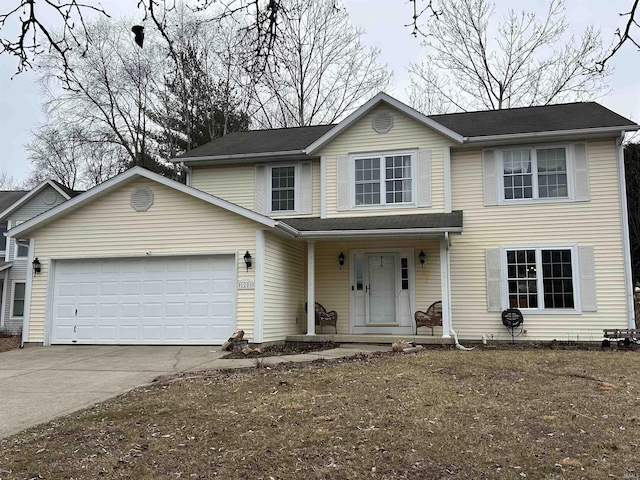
(552, 133)
(319, 234)
(237, 156)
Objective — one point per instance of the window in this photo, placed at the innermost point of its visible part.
(283, 189)
(540, 278)
(383, 180)
(535, 173)
(17, 307)
(404, 273)
(22, 248)
(3, 238)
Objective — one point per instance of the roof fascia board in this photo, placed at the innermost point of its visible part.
(237, 156)
(244, 160)
(582, 132)
(379, 98)
(122, 178)
(385, 232)
(25, 198)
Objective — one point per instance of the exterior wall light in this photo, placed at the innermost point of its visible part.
(247, 260)
(422, 257)
(37, 268)
(341, 260)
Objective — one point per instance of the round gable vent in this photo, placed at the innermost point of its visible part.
(383, 122)
(49, 198)
(142, 199)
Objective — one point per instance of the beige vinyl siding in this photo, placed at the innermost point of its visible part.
(234, 183)
(406, 133)
(333, 289)
(284, 288)
(237, 184)
(594, 223)
(176, 224)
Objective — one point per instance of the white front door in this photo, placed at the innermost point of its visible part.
(381, 291)
(381, 287)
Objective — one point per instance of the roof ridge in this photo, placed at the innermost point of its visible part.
(513, 108)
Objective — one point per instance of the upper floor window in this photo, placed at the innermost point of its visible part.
(535, 173)
(3, 237)
(383, 179)
(283, 189)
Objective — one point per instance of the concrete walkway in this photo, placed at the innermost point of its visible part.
(41, 383)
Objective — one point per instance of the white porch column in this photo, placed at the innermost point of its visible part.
(311, 293)
(445, 287)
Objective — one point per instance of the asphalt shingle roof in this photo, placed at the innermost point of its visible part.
(425, 220)
(9, 197)
(567, 116)
(260, 141)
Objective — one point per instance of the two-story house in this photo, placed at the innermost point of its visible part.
(15, 208)
(376, 217)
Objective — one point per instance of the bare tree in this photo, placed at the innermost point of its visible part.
(7, 182)
(625, 36)
(67, 154)
(60, 26)
(526, 64)
(319, 70)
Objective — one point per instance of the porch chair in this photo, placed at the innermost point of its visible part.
(431, 318)
(323, 317)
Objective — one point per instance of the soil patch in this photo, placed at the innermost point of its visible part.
(289, 348)
(10, 342)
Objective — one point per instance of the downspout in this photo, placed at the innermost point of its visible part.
(626, 245)
(447, 242)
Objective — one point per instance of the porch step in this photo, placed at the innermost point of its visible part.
(370, 338)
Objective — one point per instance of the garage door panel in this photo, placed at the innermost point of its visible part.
(170, 300)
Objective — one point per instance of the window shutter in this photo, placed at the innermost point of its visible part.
(490, 177)
(494, 282)
(587, 279)
(424, 178)
(343, 182)
(581, 172)
(262, 184)
(306, 188)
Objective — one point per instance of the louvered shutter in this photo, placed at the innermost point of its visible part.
(581, 172)
(306, 188)
(494, 281)
(490, 177)
(262, 202)
(343, 182)
(587, 279)
(424, 178)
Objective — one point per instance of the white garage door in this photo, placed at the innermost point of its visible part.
(152, 301)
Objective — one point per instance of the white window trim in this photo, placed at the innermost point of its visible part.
(383, 204)
(296, 189)
(577, 302)
(13, 296)
(15, 241)
(534, 175)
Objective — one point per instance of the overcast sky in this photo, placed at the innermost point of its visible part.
(384, 22)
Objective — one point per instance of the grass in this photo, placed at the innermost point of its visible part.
(438, 414)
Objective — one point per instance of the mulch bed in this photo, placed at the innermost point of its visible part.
(9, 342)
(289, 348)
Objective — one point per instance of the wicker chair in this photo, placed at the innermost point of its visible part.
(324, 318)
(431, 318)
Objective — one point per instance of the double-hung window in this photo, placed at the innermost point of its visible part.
(283, 189)
(541, 278)
(383, 179)
(535, 173)
(22, 248)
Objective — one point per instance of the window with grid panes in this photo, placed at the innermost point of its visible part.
(535, 173)
(540, 278)
(383, 180)
(283, 189)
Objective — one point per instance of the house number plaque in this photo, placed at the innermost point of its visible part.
(246, 284)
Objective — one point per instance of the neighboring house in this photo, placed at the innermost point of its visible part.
(15, 208)
(365, 217)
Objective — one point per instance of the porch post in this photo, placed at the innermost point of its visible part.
(311, 294)
(445, 287)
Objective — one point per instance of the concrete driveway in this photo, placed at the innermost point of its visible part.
(38, 384)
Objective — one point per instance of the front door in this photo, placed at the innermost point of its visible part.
(380, 279)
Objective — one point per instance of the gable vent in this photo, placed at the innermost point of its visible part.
(382, 122)
(49, 198)
(142, 199)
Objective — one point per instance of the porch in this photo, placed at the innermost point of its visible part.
(377, 276)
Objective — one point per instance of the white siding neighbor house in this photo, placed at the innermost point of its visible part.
(382, 215)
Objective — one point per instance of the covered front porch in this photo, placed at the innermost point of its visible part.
(375, 279)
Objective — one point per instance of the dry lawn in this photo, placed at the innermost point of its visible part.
(438, 414)
(9, 342)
